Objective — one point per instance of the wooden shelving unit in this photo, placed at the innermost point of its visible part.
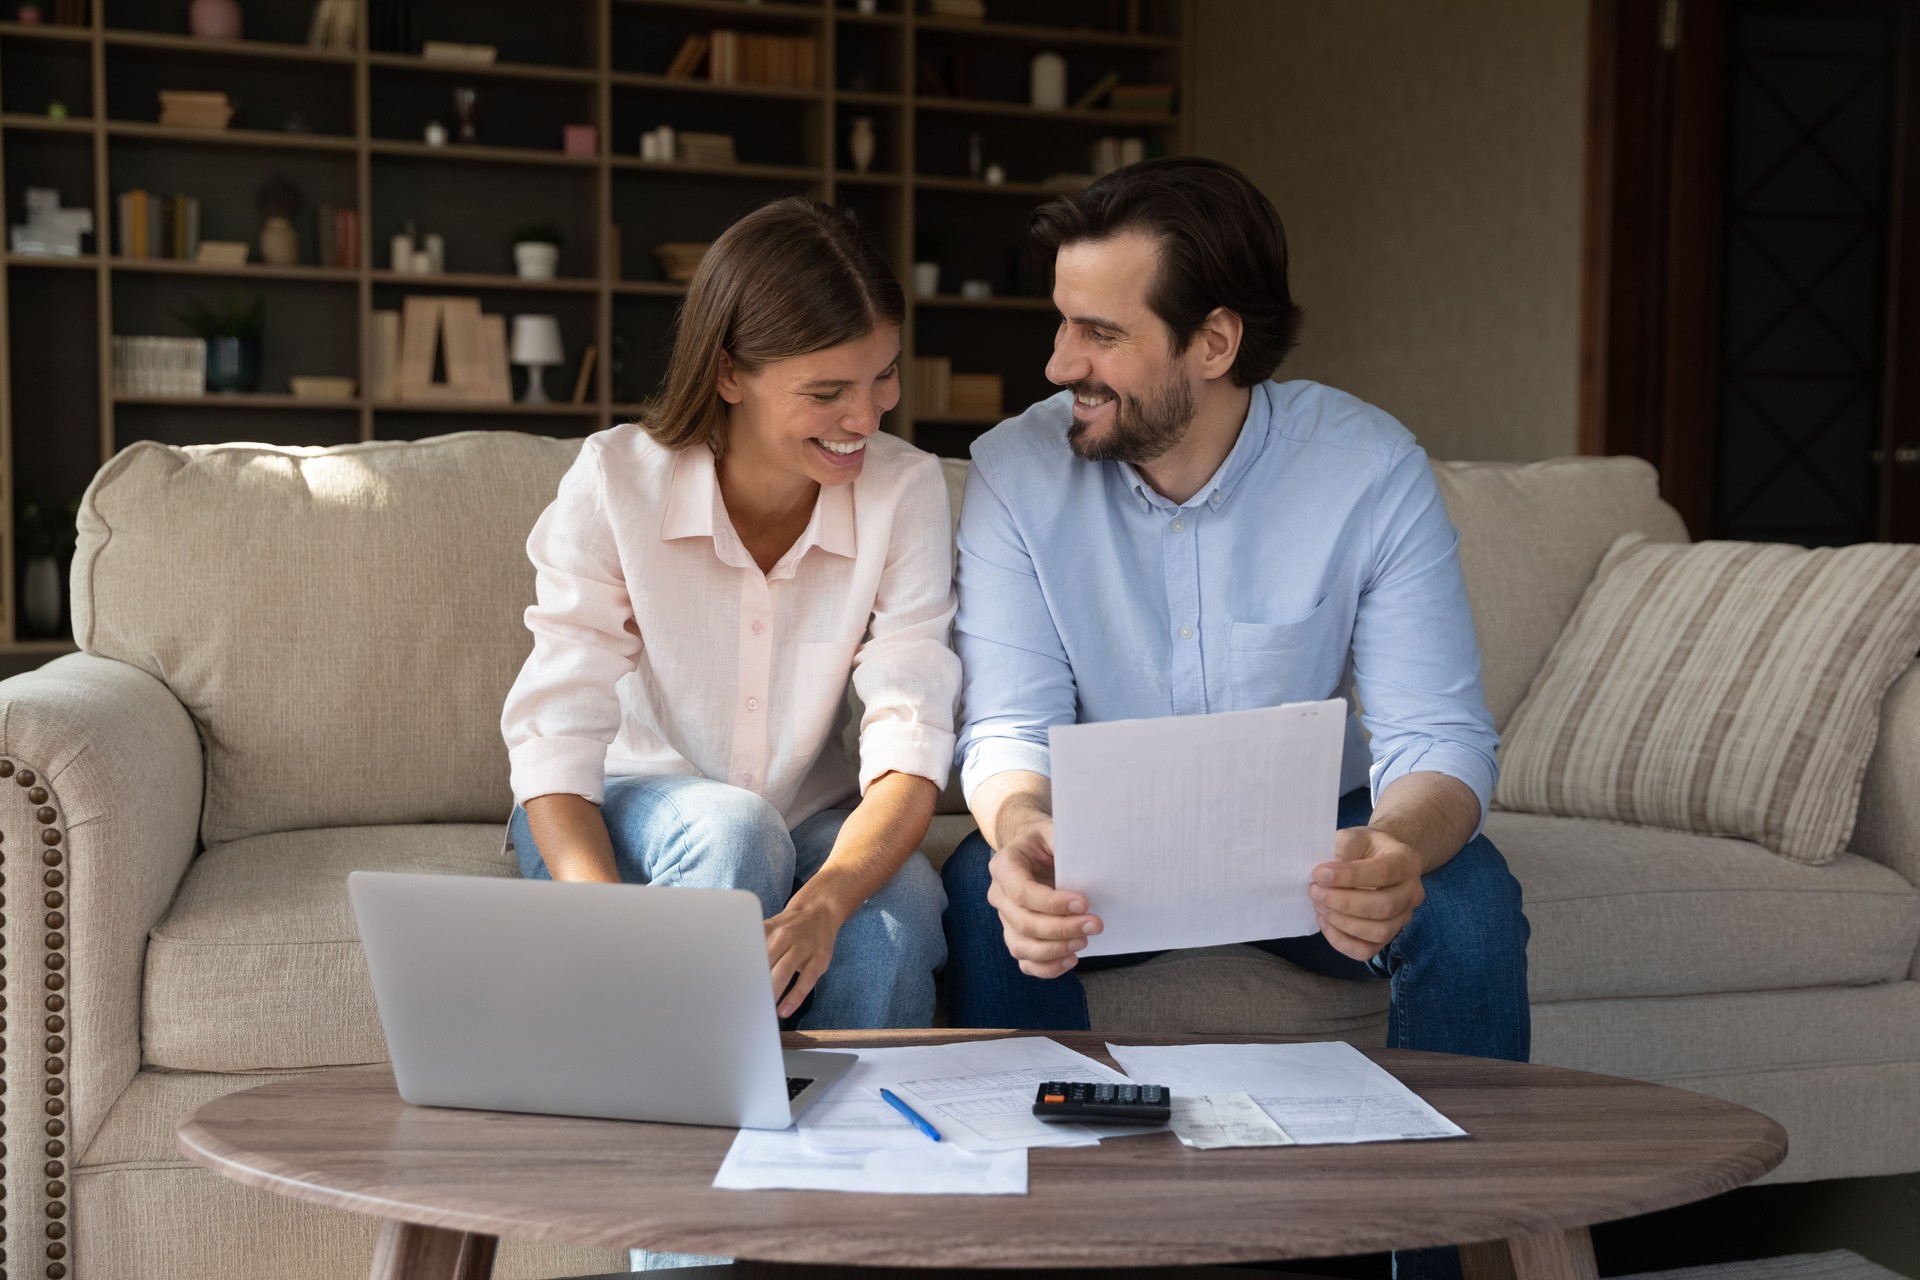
(347, 128)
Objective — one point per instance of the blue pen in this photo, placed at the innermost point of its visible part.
(919, 1121)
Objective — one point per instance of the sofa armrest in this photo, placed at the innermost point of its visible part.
(1888, 826)
(100, 781)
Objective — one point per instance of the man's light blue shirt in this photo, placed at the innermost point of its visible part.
(1087, 596)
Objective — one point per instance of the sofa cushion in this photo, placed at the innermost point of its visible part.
(1620, 911)
(1531, 536)
(343, 624)
(1726, 688)
(257, 965)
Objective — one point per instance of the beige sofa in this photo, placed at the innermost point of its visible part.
(293, 667)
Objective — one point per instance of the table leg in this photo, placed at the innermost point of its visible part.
(1549, 1255)
(407, 1251)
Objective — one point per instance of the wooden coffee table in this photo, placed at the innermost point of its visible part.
(1551, 1152)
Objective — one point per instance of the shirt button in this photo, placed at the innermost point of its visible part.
(1178, 525)
(753, 704)
(1214, 501)
(1186, 633)
(746, 779)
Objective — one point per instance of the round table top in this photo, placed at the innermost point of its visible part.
(1548, 1149)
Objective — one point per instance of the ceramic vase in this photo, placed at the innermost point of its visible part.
(536, 260)
(40, 596)
(279, 243)
(860, 143)
(926, 279)
(215, 19)
(233, 365)
(1049, 80)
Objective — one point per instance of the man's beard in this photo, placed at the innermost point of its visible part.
(1144, 429)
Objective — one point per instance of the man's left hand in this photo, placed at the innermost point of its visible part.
(1366, 896)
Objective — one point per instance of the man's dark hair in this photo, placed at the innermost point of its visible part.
(1221, 245)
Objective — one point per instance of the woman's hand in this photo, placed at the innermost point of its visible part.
(799, 949)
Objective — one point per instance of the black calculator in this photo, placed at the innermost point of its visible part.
(1103, 1103)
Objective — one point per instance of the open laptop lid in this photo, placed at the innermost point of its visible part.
(617, 1001)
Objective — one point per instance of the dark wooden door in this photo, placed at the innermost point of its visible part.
(1753, 321)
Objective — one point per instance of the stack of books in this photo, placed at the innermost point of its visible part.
(704, 148)
(151, 225)
(193, 109)
(738, 57)
(974, 395)
(1142, 97)
(222, 253)
(680, 259)
(440, 332)
(971, 10)
(932, 377)
(1108, 154)
(159, 366)
(337, 234)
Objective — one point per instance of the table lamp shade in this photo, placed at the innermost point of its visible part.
(536, 340)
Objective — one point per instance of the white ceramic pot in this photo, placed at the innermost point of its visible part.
(536, 260)
(40, 596)
(926, 279)
(861, 143)
(279, 243)
(1049, 80)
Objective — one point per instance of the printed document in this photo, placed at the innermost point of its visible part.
(1192, 831)
(1317, 1093)
(777, 1159)
(1208, 1121)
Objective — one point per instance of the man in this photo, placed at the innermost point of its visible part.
(1175, 534)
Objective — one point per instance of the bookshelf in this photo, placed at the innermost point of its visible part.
(938, 92)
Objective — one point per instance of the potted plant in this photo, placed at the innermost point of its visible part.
(46, 537)
(232, 331)
(536, 251)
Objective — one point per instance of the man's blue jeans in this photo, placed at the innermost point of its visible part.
(1459, 969)
(705, 834)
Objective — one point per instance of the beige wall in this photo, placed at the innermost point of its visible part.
(1427, 157)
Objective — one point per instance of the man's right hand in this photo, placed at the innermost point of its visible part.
(1044, 927)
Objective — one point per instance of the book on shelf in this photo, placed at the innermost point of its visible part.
(479, 55)
(692, 53)
(1141, 97)
(336, 234)
(448, 332)
(394, 26)
(159, 366)
(194, 109)
(970, 10)
(150, 225)
(739, 57)
(1097, 90)
(581, 379)
(223, 253)
(704, 148)
(974, 395)
(931, 378)
(383, 336)
(334, 26)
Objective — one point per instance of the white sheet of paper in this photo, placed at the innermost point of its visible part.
(1191, 831)
(979, 1094)
(841, 1122)
(1318, 1093)
(767, 1160)
(1209, 1121)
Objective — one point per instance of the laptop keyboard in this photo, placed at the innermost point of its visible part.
(796, 1085)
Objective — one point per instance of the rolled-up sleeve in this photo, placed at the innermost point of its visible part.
(1416, 660)
(563, 710)
(1018, 682)
(905, 672)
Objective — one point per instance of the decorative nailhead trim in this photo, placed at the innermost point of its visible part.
(53, 857)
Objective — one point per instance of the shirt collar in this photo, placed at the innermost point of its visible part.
(1252, 442)
(696, 510)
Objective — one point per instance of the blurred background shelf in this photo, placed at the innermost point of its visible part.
(558, 128)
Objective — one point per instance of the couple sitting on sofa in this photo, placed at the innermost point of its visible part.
(1174, 534)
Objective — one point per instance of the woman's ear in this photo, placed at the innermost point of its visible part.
(727, 381)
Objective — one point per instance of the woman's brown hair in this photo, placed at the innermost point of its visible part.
(792, 277)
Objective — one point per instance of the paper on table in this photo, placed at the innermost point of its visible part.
(843, 1122)
(1207, 1121)
(766, 1160)
(1318, 1093)
(1191, 831)
(979, 1093)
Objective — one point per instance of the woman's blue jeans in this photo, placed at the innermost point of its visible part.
(707, 835)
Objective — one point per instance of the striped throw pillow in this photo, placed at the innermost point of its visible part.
(1722, 688)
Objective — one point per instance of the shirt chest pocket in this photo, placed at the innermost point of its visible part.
(1274, 662)
(820, 672)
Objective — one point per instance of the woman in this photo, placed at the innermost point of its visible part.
(707, 581)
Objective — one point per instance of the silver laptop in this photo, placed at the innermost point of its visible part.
(617, 1001)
